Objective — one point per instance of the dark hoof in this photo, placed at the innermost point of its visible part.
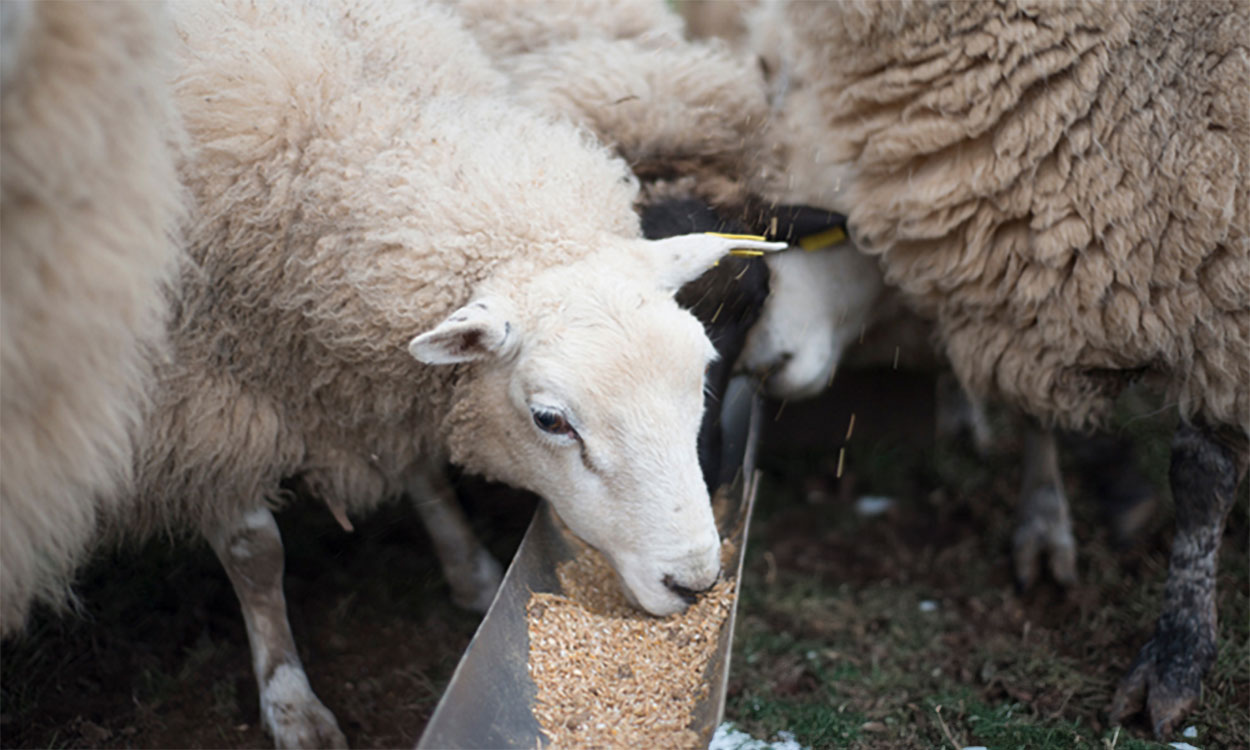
(1165, 680)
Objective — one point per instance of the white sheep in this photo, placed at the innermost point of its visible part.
(359, 176)
(687, 118)
(1064, 189)
(89, 201)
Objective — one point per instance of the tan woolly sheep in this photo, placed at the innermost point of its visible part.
(1064, 189)
(89, 201)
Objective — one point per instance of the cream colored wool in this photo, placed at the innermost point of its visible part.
(340, 211)
(1062, 185)
(89, 202)
(507, 29)
(690, 118)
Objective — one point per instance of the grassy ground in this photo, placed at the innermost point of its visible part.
(835, 641)
(905, 629)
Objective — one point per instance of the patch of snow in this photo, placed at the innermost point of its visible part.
(1182, 746)
(976, 747)
(786, 741)
(873, 505)
(729, 737)
(928, 605)
(1190, 732)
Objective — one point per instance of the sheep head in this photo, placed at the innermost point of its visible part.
(819, 304)
(584, 384)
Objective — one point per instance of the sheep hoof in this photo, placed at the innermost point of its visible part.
(475, 589)
(293, 714)
(1166, 677)
(1043, 528)
(307, 726)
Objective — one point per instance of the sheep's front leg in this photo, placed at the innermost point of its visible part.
(1043, 521)
(251, 552)
(471, 571)
(1167, 674)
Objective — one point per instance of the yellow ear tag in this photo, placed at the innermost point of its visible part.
(822, 240)
(743, 252)
(755, 237)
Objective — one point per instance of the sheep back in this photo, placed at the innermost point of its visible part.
(689, 118)
(1063, 185)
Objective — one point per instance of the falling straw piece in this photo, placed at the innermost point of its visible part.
(850, 427)
(896, 358)
(841, 457)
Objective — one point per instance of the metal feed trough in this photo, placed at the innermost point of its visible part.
(488, 702)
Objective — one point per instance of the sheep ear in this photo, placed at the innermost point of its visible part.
(686, 257)
(476, 331)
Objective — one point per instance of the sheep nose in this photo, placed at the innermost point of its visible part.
(688, 595)
(769, 368)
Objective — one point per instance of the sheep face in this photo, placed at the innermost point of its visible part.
(819, 304)
(587, 388)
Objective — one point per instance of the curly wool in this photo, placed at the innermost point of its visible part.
(688, 118)
(357, 171)
(89, 205)
(1062, 185)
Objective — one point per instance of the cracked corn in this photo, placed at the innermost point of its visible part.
(608, 675)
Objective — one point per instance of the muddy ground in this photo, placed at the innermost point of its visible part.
(896, 630)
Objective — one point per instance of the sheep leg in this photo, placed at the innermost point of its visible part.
(1167, 674)
(470, 569)
(957, 412)
(251, 552)
(1043, 522)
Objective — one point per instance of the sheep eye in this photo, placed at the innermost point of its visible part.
(553, 422)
